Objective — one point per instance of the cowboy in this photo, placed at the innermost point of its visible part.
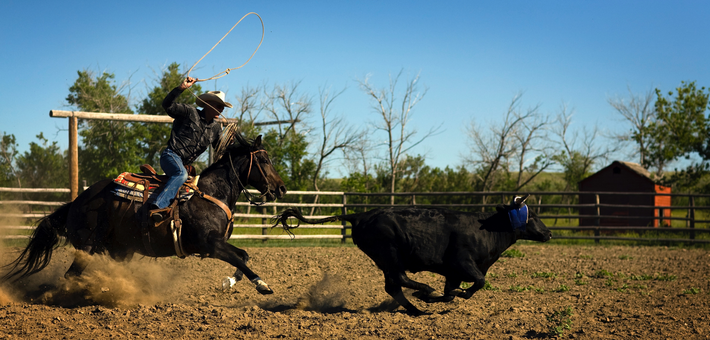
(192, 132)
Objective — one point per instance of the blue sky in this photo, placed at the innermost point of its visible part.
(472, 56)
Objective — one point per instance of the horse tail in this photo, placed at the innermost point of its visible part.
(296, 213)
(44, 240)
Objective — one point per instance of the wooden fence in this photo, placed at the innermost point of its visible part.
(689, 221)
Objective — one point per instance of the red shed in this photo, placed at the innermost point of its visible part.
(622, 176)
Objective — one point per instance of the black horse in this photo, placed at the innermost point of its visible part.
(98, 221)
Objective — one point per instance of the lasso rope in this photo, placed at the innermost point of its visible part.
(226, 139)
(226, 72)
(228, 133)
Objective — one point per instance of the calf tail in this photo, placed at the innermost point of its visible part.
(38, 253)
(296, 213)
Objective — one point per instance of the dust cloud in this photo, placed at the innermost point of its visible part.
(326, 296)
(8, 218)
(104, 282)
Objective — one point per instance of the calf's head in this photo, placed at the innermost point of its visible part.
(524, 222)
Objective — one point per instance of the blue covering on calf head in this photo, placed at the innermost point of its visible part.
(518, 216)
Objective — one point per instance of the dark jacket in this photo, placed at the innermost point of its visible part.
(191, 134)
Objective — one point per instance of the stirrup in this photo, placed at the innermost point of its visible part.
(156, 216)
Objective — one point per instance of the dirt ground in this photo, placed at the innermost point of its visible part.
(577, 292)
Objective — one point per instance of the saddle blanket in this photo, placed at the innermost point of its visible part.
(134, 191)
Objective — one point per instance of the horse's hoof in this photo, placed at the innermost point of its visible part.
(428, 297)
(456, 292)
(262, 287)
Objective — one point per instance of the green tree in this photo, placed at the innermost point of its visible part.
(44, 165)
(8, 152)
(107, 147)
(155, 135)
(289, 155)
(576, 167)
(680, 126)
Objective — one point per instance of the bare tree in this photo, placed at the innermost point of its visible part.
(336, 135)
(359, 155)
(286, 103)
(532, 139)
(395, 114)
(494, 150)
(579, 151)
(638, 110)
(249, 105)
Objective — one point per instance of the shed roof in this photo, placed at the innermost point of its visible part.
(637, 168)
(634, 167)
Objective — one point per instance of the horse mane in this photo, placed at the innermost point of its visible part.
(239, 143)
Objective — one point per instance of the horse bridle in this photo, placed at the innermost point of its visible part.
(246, 192)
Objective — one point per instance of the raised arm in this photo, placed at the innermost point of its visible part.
(173, 109)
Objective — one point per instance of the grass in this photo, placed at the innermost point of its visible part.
(516, 288)
(692, 291)
(560, 321)
(489, 286)
(545, 275)
(602, 274)
(561, 289)
(642, 277)
(665, 277)
(520, 289)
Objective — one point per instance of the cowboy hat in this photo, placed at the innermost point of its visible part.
(212, 97)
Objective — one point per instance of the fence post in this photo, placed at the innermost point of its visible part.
(414, 199)
(343, 231)
(692, 217)
(539, 203)
(73, 158)
(597, 221)
(263, 221)
(660, 218)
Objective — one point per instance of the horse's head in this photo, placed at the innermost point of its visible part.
(257, 168)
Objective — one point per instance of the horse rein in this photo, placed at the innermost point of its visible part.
(247, 194)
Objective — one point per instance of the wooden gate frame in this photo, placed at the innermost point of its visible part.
(74, 136)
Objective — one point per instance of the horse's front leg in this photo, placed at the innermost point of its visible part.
(224, 251)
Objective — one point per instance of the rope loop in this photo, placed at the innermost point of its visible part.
(226, 72)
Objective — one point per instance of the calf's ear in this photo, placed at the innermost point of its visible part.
(500, 208)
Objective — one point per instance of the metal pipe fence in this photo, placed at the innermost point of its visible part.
(688, 221)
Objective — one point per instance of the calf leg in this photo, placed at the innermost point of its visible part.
(465, 271)
(224, 251)
(478, 280)
(393, 287)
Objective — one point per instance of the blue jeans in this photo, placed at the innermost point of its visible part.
(172, 165)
